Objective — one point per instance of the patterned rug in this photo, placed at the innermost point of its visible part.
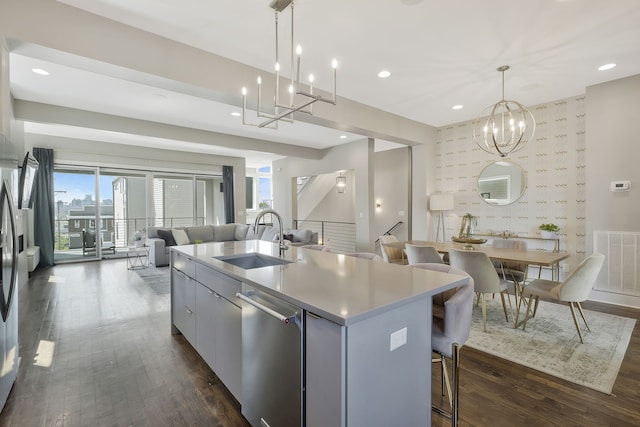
(158, 279)
(551, 343)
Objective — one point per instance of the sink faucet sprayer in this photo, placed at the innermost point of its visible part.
(262, 213)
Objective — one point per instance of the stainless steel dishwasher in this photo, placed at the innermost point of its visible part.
(272, 368)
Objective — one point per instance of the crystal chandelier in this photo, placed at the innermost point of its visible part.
(298, 92)
(505, 127)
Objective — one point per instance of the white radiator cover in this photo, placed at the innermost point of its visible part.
(621, 270)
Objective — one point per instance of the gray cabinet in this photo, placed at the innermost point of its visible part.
(228, 345)
(206, 301)
(208, 314)
(340, 387)
(183, 304)
(219, 336)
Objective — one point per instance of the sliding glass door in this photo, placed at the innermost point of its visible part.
(128, 195)
(99, 210)
(77, 227)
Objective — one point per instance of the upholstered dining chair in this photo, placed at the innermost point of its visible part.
(417, 254)
(449, 332)
(391, 255)
(485, 277)
(573, 290)
(320, 248)
(366, 255)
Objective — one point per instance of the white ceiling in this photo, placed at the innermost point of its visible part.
(440, 53)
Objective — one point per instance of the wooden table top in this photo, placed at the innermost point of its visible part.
(497, 254)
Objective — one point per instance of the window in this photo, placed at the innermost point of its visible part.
(259, 195)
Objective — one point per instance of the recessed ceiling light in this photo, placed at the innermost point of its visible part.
(40, 71)
(343, 136)
(606, 67)
(235, 114)
(384, 74)
(457, 107)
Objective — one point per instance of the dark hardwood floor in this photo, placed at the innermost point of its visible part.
(116, 363)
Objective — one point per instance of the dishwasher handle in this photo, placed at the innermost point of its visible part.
(281, 317)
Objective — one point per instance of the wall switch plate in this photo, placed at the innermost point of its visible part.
(398, 339)
(401, 213)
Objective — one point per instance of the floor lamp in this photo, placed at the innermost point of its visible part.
(440, 203)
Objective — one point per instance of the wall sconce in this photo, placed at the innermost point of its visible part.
(341, 183)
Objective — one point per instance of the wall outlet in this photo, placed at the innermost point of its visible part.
(565, 267)
(401, 213)
(398, 339)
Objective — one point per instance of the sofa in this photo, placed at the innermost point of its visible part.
(160, 239)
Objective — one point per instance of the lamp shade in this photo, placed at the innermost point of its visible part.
(441, 202)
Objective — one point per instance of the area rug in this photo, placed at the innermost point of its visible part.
(158, 279)
(551, 344)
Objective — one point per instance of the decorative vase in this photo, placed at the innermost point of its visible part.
(139, 243)
(548, 234)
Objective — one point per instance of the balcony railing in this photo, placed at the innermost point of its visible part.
(338, 236)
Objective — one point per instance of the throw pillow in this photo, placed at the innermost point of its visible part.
(288, 237)
(271, 234)
(180, 236)
(167, 236)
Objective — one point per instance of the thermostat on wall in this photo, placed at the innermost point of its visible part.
(620, 185)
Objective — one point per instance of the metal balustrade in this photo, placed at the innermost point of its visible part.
(338, 236)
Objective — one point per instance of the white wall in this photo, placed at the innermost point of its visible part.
(391, 191)
(332, 206)
(554, 163)
(612, 153)
(356, 156)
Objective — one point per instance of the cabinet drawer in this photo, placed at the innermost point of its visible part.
(219, 283)
(183, 263)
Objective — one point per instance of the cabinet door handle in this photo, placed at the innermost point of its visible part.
(210, 291)
(188, 311)
(281, 317)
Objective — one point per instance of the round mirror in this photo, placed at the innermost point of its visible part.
(502, 183)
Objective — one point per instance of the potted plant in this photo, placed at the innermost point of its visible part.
(549, 231)
(468, 222)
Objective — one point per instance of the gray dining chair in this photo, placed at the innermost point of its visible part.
(485, 277)
(417, 254)
(449, 332)
(573, 290)
(391, 255)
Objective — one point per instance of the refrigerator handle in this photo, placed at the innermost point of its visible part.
(5, 300)
(281, 317)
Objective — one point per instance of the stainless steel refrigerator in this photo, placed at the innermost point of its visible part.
(9, 268)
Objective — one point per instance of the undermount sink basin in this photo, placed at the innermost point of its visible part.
(252, 260)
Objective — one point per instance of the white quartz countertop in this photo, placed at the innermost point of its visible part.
(339, 288)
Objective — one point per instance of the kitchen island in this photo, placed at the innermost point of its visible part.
(366, 327)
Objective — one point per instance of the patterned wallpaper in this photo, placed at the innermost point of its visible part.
(554, 163)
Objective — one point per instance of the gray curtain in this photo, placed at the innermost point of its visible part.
(227, 190)
(43, 206)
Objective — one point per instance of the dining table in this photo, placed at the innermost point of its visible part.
(528, 257)
(502, 255)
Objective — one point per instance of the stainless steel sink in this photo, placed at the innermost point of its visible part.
(252, 260)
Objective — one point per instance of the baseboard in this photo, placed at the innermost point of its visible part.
(615, 299)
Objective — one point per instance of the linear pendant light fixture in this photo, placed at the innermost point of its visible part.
(505, 127)
(295, 89)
